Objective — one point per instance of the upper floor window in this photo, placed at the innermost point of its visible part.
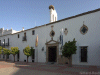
(84, 29)
(18, 35)
(8, 41)
(24, 37)
(4, 42)
(25, 34)
(33, 32)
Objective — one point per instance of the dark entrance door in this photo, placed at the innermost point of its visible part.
(83, 54)
(52, 54)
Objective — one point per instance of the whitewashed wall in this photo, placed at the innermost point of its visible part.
(90, 39)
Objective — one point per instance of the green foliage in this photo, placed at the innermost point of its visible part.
(0, 50)
(69, 48)
(27, 51)
(14, 50)
(6, 51)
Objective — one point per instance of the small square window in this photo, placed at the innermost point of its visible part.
(33, 32)
(18, 35)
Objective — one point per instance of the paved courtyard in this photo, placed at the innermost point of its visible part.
(22, 68)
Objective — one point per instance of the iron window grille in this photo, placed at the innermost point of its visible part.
(24, 38)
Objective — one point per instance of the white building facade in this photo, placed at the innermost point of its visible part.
(85, 28)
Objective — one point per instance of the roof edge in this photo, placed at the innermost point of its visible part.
(85, 13)
(88, 12)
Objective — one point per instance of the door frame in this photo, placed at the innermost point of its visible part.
(50, 44)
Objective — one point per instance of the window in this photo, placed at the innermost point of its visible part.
(84, 29)
(24, 37)
(4, 42)
(8, 41)
(18, 35)
(83, 54)
(25, 34)
(0, 42)
(52, 33)
(33, 32)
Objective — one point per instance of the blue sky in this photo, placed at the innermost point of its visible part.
(31, 13)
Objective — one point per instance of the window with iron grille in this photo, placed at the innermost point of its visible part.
(8, 41)
(0, 42)
(33, 32)
(24, 38)
(18, 35)
(84, 53)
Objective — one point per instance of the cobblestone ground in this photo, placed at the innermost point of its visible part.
(22, 68)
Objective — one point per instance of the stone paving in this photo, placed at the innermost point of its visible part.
(22, 68)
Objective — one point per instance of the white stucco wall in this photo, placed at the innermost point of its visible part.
(90, 39)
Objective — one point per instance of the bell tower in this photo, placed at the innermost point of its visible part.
(53, 14)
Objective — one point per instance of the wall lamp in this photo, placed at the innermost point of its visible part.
(42, 48)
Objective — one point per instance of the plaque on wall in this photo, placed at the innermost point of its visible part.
(66, 31)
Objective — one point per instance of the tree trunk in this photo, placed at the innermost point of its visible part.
(6, 57)
(27, 59)
(14, 58)
(70, 61)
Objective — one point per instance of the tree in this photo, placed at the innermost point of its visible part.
(69, 48)
(14, 51)
(27, 52)
(0, 50)
(6, 52)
